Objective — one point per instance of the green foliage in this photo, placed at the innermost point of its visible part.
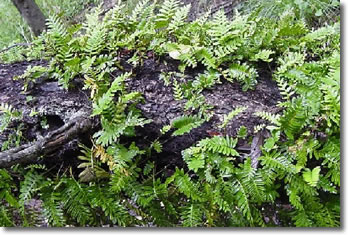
(185, 124)
(8, 119)
(297, 180)
(313, 11)
(231, 115)
(8, 115)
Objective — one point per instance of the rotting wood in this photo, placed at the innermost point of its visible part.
(48, 144)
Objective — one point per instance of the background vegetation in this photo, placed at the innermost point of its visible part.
(16, 30)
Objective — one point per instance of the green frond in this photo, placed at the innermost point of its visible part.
(252, 181)
(138, 10)
(7, 115)
(29, 186)
(178, 91)
(192, 215)
(185, 185)
(243, 73)
(220, 144)
(75, 202)
(53, 209)
(231, 115)
(277, 162)
(242, 199)
(179, 18)
(294, 118)
(166, 12)
(185, 124)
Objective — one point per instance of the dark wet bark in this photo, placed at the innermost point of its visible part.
(59, 107)
(47, 145)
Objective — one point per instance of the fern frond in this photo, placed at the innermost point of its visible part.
(252, 180)
(258, 128)
(29, 186)
(231, 115)
(220, 144)
(294, 118)
(7, 115)
(137, 11)
(179, 18)
(192, 215)
(157, 146)
(178, 92)
(242, 199)
(104, 102)
(243, 73)
(75, 202)
(286, 90)
(207, 58)
(185, 124)
(185, 185)
(272, 118)
(276, 161)
(166, 12)
(53, 210)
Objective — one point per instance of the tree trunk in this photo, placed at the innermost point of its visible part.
(32, 14)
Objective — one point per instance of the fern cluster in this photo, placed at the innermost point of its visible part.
(118, 182)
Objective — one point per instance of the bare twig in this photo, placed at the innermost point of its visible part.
(15, 45)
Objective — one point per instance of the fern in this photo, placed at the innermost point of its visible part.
(252, 180)
(178, 92)
(104, 102)
(277, 162)
(121, 184)
(137, 11)
(75, 202)
(185, 124)
(179, 18)
(191, 215)
(294, 118)
(8, 115)
(286, 90)
(243, 73)
(219, 144)
(242, 199)
(29, 186)
(231, 115)
(166, 13)
(53, 210)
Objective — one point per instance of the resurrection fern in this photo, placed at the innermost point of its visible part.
(243, 73)
(178, 92)
(7, 115)
(231, 115)
(185, 124)
(166, 13)
(179, 18)
(119, 178)
(219, 144)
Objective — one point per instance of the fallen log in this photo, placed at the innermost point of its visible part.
(57, 106)
(48, 144)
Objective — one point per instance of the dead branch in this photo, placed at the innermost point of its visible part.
(48, 144)
(15, 45)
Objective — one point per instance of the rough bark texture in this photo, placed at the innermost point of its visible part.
(32, 14)
(47, 145)
(58, 107)
(66, 114)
